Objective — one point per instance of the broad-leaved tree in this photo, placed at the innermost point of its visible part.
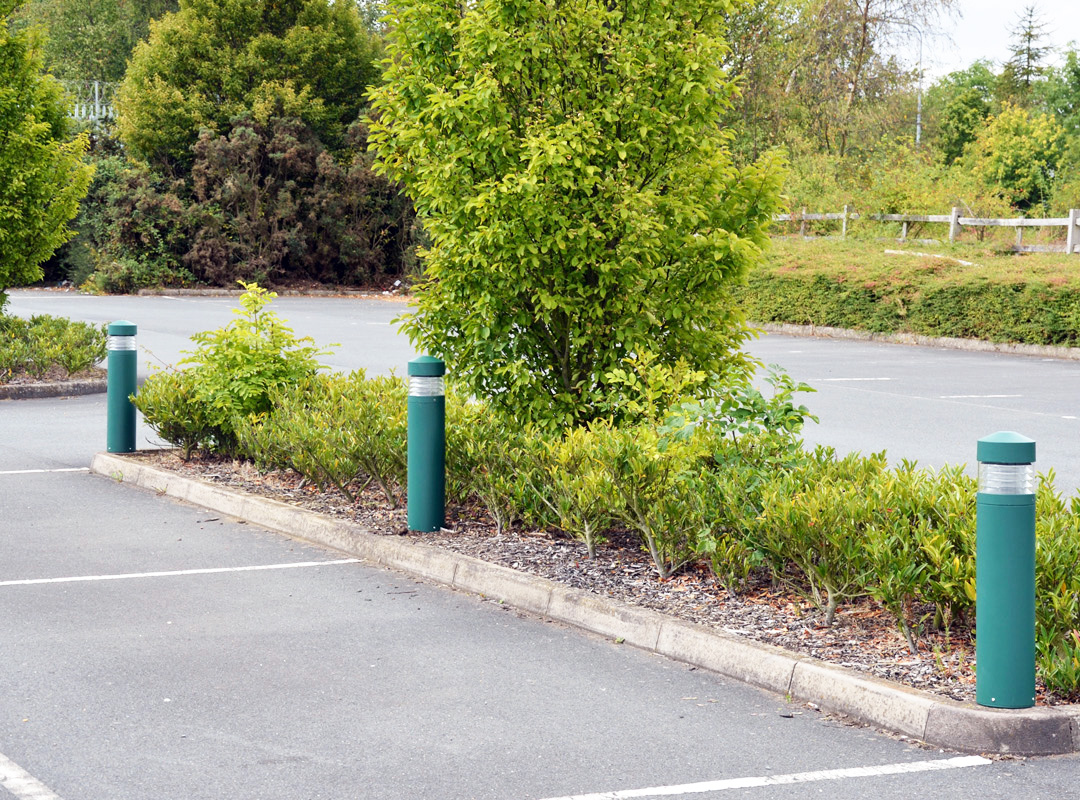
(583, 207)
(42, 177)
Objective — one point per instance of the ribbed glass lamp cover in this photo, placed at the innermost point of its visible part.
(1007, 478)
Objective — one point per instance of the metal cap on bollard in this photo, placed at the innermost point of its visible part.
(1005, 572)
(1006, 463)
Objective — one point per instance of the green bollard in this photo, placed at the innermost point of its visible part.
(1005, 572)
(122, 367)
(427, 445)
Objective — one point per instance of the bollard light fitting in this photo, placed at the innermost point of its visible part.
(1005, 572)
(120, 385)
(427, 445)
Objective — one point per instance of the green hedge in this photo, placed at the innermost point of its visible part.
(42, 344)
(913, 298)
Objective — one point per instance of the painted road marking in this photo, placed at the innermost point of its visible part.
(210, 571)
(833, 380)
(779, 780)
(21, 783)
(976, 396)
(33, 471)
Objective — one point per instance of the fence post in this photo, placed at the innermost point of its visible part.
(843, 224)
(903, 232)
(802, 223)
(954, 224)
(1070, 237)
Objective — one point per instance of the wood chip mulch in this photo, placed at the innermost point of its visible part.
(54, 374)
(864, 637)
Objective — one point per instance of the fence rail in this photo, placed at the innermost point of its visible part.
(92, 100)
(956, 222)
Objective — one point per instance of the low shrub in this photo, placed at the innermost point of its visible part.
(1028, 299)
(42, 344)
(239, 366)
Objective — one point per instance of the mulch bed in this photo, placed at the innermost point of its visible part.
(54, 374)
(864, 637)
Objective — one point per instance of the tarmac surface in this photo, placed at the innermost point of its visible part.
(196, 675)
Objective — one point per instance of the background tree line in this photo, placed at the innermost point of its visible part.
(240, 150)
(821, 79)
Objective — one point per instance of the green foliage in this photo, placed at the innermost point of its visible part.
(1057, 588)
(92, 39)
(485, 459)
(43, 343)
(656, 491)
(137, 228)
(272, 203)
(333, 430)
(735, 489)
(216, 59)
(567, 162)
(1020, 154)
(573, 481)
(741, 410)
(41, 175)
(265, 202)
(961, 122)
(169, 403)
(238, 367)
(1005, 299)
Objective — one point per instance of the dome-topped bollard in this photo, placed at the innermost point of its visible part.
(1005, 572)
(122, 366)
(427, 445)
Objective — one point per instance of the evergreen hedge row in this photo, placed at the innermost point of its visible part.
(1026, 313)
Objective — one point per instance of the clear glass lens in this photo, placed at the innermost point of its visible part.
(420, 386)
(1007, 478)
(121, 343)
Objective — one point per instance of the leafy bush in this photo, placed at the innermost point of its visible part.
(1018, 302)
(1057, 588)
(569, 476)
(333, 429)
(42, 343)
(169, 403)
(265, 201)
(233, 374)
(212, 60)
(724, 479)
(42, 177)
(485, 457)
(580, 208)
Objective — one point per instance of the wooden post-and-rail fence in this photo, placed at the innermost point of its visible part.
(1071, 224)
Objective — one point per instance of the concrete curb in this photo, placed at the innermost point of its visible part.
(215, 292)
(32, 391)
(919, 715)
(972, 345)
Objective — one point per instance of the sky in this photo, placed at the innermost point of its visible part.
(981, 28)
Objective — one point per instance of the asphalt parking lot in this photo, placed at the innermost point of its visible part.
(152, 649)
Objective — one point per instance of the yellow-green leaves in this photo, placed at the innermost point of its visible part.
(560, 170)
(215, 59)
(42, 177)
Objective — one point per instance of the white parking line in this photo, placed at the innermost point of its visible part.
(976, 396)
(21, 783)
(833, 380)
(777, 780)
(33, 471)
(209, 571)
